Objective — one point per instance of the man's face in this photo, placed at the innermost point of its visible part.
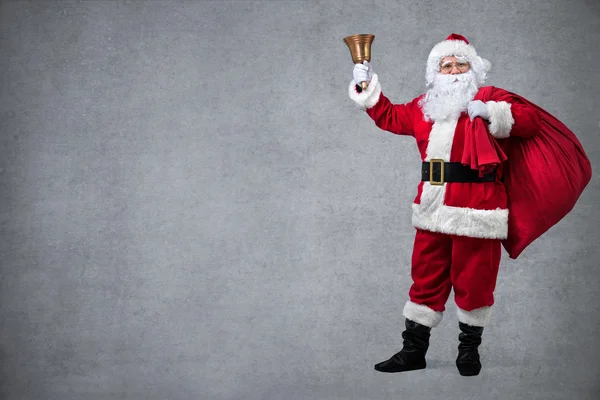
(452, 66)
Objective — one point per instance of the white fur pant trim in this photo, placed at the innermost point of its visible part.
(422, 314)
(478, 317)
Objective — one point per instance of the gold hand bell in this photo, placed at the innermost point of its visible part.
(360, 49)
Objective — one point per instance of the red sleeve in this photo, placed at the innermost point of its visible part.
(527, 120)
(394, 118)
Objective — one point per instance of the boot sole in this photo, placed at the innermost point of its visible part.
(468, 372)
(392, 371)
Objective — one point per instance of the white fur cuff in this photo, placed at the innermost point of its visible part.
(501, 120)
(367, 98)
(478, 317)
(422, 314)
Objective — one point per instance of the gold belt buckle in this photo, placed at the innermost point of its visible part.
(441, 162)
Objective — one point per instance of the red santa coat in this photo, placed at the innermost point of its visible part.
(467, 209)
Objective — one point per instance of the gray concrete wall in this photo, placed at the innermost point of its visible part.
(192, 207)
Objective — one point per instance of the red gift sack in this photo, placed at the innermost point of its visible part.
(544, 176)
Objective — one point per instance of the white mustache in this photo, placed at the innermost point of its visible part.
(442, 79)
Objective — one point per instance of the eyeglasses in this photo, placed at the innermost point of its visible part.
(462, 66)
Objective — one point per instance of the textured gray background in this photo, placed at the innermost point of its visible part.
(192, 207)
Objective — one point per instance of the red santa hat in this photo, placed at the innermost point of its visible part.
(456, 45)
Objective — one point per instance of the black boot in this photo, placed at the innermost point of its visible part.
(412, 355)
(467, 362)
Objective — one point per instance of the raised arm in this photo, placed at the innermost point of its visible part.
(394, 118)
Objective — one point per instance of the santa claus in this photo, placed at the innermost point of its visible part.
(460, 213)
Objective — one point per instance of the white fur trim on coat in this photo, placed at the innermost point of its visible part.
(422, 314)
(367, 98)
(462, 221)
(479, 317)
(501, 119)
(441, 139)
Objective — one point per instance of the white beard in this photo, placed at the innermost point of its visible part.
(449, 98)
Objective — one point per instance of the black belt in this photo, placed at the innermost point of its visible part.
(453, 172)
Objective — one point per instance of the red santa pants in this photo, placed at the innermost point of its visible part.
(441, 262)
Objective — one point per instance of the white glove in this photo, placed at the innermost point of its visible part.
(362, 72)
(478, 108)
